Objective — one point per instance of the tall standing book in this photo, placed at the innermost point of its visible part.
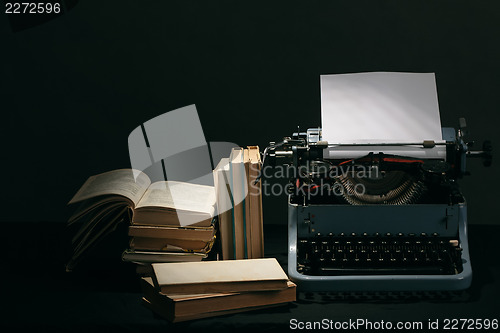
(246, 208)
(255, 203)
(106, 196)
(224, 208)
(239, 191)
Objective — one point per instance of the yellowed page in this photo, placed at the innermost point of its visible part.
(125, 182)
(219, 271)
(180, 196)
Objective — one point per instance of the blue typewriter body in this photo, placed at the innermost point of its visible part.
(438, 223)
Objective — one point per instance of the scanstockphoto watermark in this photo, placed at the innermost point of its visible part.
(325, 180)
(355, 324)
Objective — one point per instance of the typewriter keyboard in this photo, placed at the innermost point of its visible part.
(376, 255)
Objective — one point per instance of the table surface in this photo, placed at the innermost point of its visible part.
(104, 292)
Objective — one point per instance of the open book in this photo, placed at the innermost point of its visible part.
(108, 198)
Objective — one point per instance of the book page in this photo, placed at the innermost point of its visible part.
(125, 182)
(181, 196)
(219, 271)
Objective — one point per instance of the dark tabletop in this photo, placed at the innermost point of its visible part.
(103, 293)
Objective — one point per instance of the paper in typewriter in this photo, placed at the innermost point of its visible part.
(380, 107)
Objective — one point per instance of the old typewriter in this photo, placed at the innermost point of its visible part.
(374, 216)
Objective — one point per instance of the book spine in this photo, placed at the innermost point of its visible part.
(233, 222)
(244, 203)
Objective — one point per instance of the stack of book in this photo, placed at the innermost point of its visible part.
(239, 204)
(181, 229)
(170, 221)
(193, 290)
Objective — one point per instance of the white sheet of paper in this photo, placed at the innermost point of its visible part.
(381, 107)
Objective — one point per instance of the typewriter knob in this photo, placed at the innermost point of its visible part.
(487, 153)
(462, 126)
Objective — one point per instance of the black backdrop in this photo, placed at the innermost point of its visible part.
(73, 88)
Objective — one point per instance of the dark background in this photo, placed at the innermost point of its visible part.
(73, 87)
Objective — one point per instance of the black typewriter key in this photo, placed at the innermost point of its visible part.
(380, 258)
(398, 255)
